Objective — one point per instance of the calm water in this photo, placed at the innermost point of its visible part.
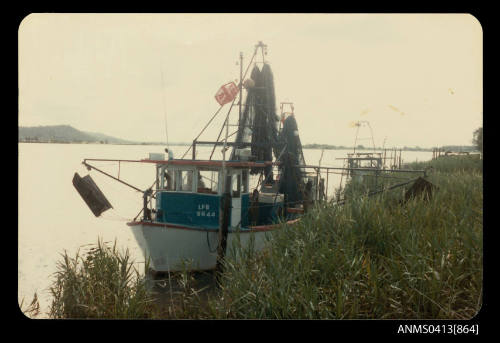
(53, 218)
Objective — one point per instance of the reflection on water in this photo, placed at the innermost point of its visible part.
(54, 218)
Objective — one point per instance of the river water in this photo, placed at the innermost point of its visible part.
(53, 218)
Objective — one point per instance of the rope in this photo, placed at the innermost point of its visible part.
(203, 129)
(208, 243)
(219, 110)
(241, 81)
(164, 105)
(118, 217)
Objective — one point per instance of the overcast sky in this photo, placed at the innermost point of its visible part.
(416, 78)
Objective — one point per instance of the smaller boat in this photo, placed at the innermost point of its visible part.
(362, 164)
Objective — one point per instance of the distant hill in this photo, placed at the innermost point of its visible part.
(65, 134)
(109, 139)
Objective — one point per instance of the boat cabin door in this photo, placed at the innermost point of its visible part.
(239, 190)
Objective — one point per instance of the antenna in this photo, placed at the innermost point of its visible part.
(164, 104)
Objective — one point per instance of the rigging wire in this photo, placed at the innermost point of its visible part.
(114, 216)
(239, 98)
(164, 103)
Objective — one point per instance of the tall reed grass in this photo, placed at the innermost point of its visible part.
(33, 309)
(451, 164)
(373, 257)
(102, 283)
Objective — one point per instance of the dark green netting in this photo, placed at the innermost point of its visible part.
(258, 125)
(292, 178)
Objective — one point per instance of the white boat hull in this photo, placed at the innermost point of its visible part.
(175, 248)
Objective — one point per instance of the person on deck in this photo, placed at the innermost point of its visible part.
(168, 181)
(254, 208)
(201, 184)
(170, 154)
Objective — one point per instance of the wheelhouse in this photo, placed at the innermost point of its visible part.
(189, 193)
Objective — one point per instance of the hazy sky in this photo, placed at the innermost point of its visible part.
(417, 78)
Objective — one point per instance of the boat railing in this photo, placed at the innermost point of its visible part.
(200, 190)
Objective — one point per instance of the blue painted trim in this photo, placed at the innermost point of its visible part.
(190, 209)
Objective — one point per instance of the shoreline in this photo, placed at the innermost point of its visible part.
(306, 146)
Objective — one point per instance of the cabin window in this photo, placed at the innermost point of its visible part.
(177, 180)
(236, 185)
(168, 180)
(208, 181)
(244, 181)
(185, 181)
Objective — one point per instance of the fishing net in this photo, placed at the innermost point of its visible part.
(292, 178)
(245, 124)
(258, 123)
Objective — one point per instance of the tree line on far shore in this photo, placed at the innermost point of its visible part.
(464, 148)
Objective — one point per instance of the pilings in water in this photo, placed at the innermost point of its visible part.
(395, 159)
(437, 152)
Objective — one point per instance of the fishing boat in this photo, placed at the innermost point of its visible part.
(196, 208)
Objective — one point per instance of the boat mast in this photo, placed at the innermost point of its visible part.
(241, 85)
(226, 191)
(226, 195)
(225, 208)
